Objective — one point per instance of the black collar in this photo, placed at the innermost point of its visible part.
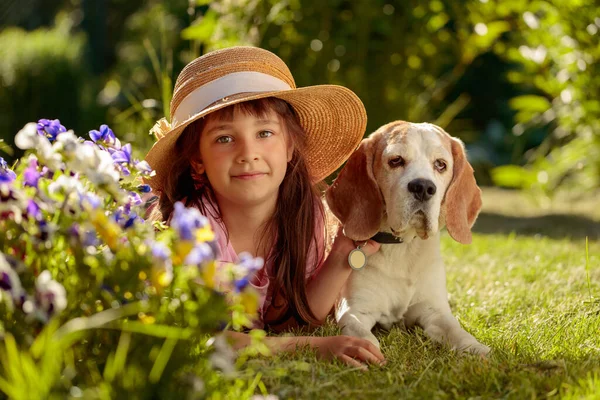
(387, 238)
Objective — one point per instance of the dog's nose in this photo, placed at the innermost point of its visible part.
(422, 189)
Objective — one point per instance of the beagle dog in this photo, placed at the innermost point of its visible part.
(405, 181)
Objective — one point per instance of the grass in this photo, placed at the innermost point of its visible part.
(526, 287)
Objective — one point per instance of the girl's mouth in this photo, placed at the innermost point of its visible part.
(250, 175)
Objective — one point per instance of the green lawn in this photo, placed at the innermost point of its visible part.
(522, 288)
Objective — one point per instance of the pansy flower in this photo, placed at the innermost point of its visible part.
(199, 254)
(187, 220)
(122, 158)
(33, 210)
(105, 136)
(9, 280)
(50, 128)
(31, 174)
(6, 174)
(50, 296)
(144, 168)
(162, 266)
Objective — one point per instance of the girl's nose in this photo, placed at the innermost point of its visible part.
(247, 151)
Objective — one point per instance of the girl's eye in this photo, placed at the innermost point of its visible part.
(224, 139)
(265, 134)
(396, 162)
(440, 165)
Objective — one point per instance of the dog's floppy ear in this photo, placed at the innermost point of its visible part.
(354, 197)
(463, 197)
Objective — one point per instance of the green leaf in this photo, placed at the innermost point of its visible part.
(162, 360)
(530, 102)
(6, 148)
(512, 176)
(203, 30)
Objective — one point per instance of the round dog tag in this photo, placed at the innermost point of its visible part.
(357, 259)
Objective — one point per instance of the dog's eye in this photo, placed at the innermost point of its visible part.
(396, 162)
(439, 165)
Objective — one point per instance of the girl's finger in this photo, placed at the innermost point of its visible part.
(362, 354)
(371, 247)
(352, 362)
(374, 350)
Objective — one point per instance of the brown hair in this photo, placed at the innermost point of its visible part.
(292, 228)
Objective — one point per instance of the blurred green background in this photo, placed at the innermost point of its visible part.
(518, 81)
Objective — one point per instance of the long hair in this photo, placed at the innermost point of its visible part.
(290, 233)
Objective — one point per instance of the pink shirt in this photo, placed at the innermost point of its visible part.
(261, 279)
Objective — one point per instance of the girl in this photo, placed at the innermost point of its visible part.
(248, 149)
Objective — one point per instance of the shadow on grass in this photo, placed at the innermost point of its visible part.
(556, 226)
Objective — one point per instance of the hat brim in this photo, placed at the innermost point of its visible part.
(333, 117)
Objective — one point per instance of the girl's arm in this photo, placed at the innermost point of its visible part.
(324, 289)
(350, 350)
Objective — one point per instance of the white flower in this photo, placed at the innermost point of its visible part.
(97, 165)
(51, 296)
(67, 142)
(65, 184)
(223, 357)
(10, 280)
(28, 138)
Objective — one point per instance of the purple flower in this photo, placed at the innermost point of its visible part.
(241, 284)
(5, 282)
(31, 174)
(89, 238)
(144, 167)
(250, 264)
(123, 155)
(186, 220)
(202, 252)
(105, 136)
(33, 210)
(125, 217)
(6, 174)
(160, 251)
(162, 268)
(144, 188)
(85, 237)
(134, 199)
(50, 128)
(90, 199)
(249, 267)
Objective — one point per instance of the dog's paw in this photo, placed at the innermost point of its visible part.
(361, 333)
(371, 338)
(475, 348)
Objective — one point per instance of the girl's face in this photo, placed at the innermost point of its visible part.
(245, 159)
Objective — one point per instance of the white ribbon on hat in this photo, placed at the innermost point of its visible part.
(219, 89)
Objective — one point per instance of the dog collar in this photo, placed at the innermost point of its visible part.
(386, 238)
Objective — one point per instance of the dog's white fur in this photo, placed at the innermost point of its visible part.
(404, 283)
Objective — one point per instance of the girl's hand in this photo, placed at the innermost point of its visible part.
(352, 351)
(343, 245)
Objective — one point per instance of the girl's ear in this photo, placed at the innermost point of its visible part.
(197, 166)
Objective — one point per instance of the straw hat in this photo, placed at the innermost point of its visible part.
(333, 116)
